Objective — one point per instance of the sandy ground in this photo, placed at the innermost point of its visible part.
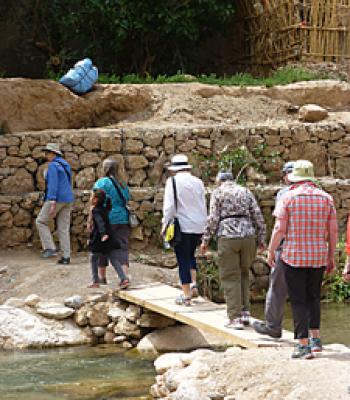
(23, 272)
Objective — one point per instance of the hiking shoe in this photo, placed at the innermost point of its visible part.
(49, 253)
(102, 281)
(235, 323)
(302, 352)
(124, 284)
(183, 300)
(263, 329)
(245, 318)
(315, 344)
(93, 285)
(194, 291)
(64, 261)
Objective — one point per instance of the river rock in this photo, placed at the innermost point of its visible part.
(98, 315)
(109, 337)
(54, 310)
(312, 113)
(98, 331)
(133, 313)
(167, 361)
(179, 338)
(97, 298)
(32, 300)
(127, 328)
(126, 345)
(154, 320)
(21, 329)
(119, 339)
(14, 302)
(81, 316)
(115, 313)
(74, 302)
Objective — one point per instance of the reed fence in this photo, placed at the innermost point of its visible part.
(276, 32)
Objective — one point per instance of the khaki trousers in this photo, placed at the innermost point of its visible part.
(235, 259)
(63, 212)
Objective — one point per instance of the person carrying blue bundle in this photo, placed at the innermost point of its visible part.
(102, 241)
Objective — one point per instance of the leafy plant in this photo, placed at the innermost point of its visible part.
(237, 161)
(335, 288)
(208, 280)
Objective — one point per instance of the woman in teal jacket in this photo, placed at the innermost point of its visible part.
(117, 190)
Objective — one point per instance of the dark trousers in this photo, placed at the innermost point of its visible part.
(304, 290)
(185, 251)
(112, 256)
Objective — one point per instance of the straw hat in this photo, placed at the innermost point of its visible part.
(303, 171)
(53, 148)
(179, 162)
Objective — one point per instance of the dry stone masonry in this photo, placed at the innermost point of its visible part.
(142, 153)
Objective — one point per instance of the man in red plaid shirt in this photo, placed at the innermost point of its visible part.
(306, 219)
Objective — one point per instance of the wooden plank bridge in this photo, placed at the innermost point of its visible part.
(203, 314)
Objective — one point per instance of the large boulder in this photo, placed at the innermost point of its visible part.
(21, 329)
(312, 113)
(179, 338)
(54, 310)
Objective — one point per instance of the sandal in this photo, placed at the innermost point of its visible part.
(93, 285)
(194, 291)
(182, 300)
(124, 284)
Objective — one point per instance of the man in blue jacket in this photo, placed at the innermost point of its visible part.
(58, 201)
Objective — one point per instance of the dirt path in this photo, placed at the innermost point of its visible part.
(23, 272)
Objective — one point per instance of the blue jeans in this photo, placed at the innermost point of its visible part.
(185, 255)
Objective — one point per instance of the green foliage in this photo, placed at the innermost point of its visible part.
(335, 288)
(152, 221)
(282, 76)
(130, 36)
(208, 280)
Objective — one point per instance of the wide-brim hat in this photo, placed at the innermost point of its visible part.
(53, 148)
(303, 171)
(179, 162)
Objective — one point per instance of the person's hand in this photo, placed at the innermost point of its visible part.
(203, 248)
(330, 266)
(52, 209)
(271, 259)
(261, 248)
(162, 232)
(104, 238)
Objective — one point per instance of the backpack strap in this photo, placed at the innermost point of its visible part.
(175, 193)
(118, 190)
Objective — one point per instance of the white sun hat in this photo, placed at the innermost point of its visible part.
(303, 171)
(179, 162)
(53, 148)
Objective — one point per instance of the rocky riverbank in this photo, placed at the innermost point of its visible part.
(96, 319)
(255, 374)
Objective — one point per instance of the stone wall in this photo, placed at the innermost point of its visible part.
(142, 153)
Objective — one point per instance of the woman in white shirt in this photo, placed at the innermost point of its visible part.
(191, 213)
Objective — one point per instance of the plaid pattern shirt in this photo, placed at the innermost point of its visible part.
(308, 211)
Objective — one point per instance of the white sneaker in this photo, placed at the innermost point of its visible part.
(245, 318)
(235, 324)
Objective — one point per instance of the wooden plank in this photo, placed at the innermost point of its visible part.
(203, 314)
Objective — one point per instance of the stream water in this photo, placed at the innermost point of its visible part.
(106, 372)
(335, 321)
(83, 373)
